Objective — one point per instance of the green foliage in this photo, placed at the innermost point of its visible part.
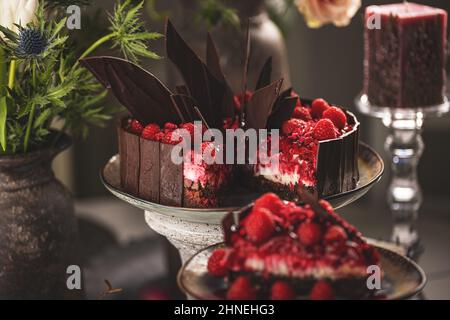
(49, 84)
(129, 32)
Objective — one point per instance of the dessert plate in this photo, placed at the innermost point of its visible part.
(370, 164)
(403, 278)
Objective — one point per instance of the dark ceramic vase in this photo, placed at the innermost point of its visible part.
(38, 231)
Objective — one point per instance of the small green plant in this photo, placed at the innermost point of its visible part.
(42, 81)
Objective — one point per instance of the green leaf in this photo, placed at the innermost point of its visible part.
(3, 116)
(42, 118)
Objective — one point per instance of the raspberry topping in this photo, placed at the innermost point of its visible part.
(335, 234)
(217, 263)
(150, 131)
(259, 225)
(189, 127)
(170, 126)
(241, 289)
(290, 125)
(269, 201)
(318, 106)
(172, 137)
(302, 113)
(321, 290)
(281, 291)
(325, 130)
(337, 116)
(309, 233)
(239, 99)
(135, 127)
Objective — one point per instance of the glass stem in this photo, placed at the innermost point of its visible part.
(405, 146)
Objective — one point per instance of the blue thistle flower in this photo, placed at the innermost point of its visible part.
(31, 42)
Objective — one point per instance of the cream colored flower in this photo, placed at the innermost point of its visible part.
(320, 12)
(17, 12)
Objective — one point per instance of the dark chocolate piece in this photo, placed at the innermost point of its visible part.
(265, 75)
(147, 99)
(171, 178)
(284, 109)
(181, 89)
(260, 105)
(213, 64)
(203, 86)
(149, 170)
(245, 66)
(129, 151)
(337, 162)
(186, 107)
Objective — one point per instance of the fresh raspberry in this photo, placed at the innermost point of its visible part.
(321, 290)
(150, 131)
(309, 233)
(171, 137)
(259, 225)
(269, 201)
(318, 106)
(170, 126)
(290, 125)
(239, 99)
(217, 263)
(335, 234)
(159, 136)
(208, 149)
(302, 113)
(281, 291)
(241, 289)
(324, 130)
(337, 116)
(135, 127)
(189, 126)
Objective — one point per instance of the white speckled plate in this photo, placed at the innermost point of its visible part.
(403, 278)
(371, 168)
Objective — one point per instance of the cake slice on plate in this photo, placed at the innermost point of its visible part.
(280, 250)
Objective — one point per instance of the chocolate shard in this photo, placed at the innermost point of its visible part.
(186, 106)
(260, 105)
(171, 178)
(213, 64)
(230, 222)
(283, 111)
(147, 98)
(129, 151)
(149, 170)
(203, 86)
(182, 89)
(265, 75)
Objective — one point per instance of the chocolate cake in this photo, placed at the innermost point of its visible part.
(148, 137)
(279, 250)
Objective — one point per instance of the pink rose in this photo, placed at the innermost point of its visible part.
(320, 12)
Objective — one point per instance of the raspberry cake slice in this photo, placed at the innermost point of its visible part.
(318, 150)
(280, 250)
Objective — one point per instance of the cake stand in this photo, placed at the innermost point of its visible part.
(191, 230)
(405, 147)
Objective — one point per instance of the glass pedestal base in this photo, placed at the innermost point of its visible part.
(405, 146)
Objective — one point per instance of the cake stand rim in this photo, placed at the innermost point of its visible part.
(215, 215)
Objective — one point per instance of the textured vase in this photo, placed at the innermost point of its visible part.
(38, 231)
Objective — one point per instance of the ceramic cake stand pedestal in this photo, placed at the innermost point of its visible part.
(188, 237)
(405, 146)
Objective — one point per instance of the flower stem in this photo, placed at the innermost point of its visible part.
(95, 45)
(12, 74)
(32, 111)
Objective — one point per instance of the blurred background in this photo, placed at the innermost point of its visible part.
(326, 62)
